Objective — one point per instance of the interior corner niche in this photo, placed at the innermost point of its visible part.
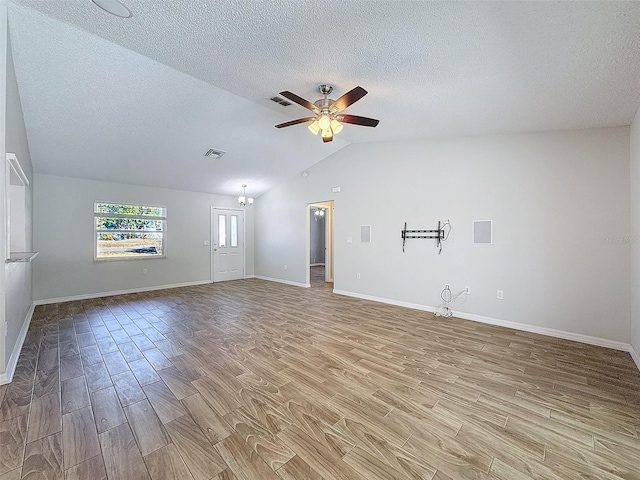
(16, 211)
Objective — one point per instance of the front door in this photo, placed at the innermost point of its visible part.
(227, 244)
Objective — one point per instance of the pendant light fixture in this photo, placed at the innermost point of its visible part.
(242, 199)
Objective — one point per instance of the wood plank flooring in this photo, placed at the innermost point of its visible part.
(258, 380)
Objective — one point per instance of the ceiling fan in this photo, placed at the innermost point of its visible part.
(328, 119)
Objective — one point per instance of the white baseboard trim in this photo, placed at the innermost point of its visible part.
(86, 296)
(7, 376)
(577, 337)
(317, 265)
(550, 332)
(389, 301)
(635, 356)
(287, 282)
(246, 277)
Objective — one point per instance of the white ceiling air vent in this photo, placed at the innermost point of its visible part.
(281, 101)
(213, 153)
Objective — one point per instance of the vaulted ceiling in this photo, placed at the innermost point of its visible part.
(139, 100)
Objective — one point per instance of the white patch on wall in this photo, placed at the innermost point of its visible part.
(482, 231)
(365, 233)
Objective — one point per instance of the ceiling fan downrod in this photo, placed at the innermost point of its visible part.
(324, 103)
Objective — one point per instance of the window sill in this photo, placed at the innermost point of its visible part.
(120, 259)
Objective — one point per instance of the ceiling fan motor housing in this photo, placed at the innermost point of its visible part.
(324, 103)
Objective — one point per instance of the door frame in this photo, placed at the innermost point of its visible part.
(329, 239)
(211, 239)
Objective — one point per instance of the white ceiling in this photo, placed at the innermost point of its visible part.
(140, 99)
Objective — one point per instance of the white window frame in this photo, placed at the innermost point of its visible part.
(96, 232)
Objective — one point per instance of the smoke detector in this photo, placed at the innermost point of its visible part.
(114, 7)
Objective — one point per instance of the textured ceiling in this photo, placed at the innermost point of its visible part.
(100, 99)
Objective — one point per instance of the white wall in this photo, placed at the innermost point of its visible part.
(3, 98)
(64, 236)
(552, 196)
(18, 291)
(635, 231)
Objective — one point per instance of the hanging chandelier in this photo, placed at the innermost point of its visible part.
(242, 199)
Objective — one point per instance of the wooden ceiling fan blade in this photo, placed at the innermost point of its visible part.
(349, 98)
(357, 120)
(300, 101)
(295, 122)
(327, 139)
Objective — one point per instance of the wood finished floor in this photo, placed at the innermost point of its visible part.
(258, 380)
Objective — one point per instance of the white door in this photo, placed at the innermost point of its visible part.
(227, 244)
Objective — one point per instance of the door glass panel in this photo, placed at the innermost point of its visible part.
(234, 230)
(222, 230)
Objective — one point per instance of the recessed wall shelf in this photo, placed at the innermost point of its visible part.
(16, 183)
(21, 257)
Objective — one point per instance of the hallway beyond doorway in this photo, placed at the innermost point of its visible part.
(317, 277)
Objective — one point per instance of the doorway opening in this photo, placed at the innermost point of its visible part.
(320, 249)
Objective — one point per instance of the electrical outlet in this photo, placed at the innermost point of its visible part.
(206, 243)
(144, 271)
(467, 290)
(358, 276)
(285, 267)
(349, 239)
(500, 295)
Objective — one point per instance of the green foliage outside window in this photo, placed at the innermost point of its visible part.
(129, 231)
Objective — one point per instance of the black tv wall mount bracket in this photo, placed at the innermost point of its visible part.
(437, 234)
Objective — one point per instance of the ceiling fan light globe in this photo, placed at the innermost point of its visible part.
(336, 126)
(241, 199)
(324, 122)
(326, 133)
(314, 127)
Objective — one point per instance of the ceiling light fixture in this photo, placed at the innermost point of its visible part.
(336, 126)
(314, 127)
(114, 7)
(319, 212)
(242, 199)
(324, 122)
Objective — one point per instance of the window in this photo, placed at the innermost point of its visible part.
(129, 231)
(222, 230)
(234, 230)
